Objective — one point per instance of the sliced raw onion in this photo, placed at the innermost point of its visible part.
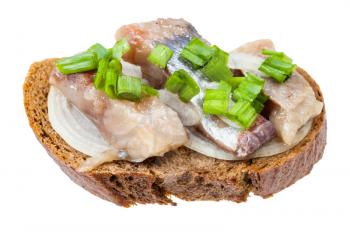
(276, 145)
(204, 146)
(73, 126)
(80, 132)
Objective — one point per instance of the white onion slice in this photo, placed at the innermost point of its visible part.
(204, 146)
(276, 145)
(187, 112)
(73, 126)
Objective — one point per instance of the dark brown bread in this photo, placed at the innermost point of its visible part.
(183, 173)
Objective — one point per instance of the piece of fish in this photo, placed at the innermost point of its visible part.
(254, 47)
(288, 122)
(143, 37)
(139, 129)
(252, 139)
(248, 57)
(176, 33)
(294, 100)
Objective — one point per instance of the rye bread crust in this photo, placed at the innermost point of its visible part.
(183, 173)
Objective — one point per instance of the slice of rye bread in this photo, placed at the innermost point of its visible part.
(184, 173)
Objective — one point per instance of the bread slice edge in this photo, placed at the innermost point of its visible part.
(182, 173)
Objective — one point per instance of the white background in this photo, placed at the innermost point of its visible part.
(36, 196)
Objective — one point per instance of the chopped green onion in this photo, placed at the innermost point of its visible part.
(286, 58)
(250, 90)
(129, 88)
(182, 83)
(200, 48)
(216, 69)
(111, 83)
(188, 80)
(215, 94)
(116, 65)
(247, 91)
(160, 55)
(248, 118)
(190, 89)
(239, 107)
(269, 52)
(273, 53)
(216, 101)
(195, 60)
(174, 83)
(220, 55)
(120, 48)
(217, 107)
(148, 90)
(243, 113)
(197, 52)
(223, 85)
(82, 62)
(276, 74)
(76, 58)
(82, 66)
(259, 101)
(279, 64)
(254, 79)
(258, 106)
(99, 50)
(262, 97)
(100, 78)
(187, 92)
(235, 81)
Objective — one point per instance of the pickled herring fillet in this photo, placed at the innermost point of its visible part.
(294, 100)
(176, 33)
(139, 129)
